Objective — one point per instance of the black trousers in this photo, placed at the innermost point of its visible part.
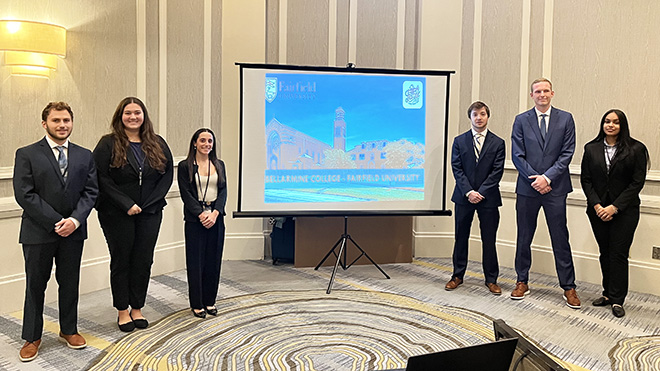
(489, 220)
(131, 241)
(203, 259)
(38, 265)
(614, 239)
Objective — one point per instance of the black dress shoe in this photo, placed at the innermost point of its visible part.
(201, 314)
(601, 302)
(126, 327)
(618, 310)
(141, 323)
(213, 311)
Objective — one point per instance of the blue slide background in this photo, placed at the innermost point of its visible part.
(374, 111)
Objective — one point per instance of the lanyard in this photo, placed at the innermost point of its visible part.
(199, 182)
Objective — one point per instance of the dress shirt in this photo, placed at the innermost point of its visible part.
(56, 153)
(483, 134)
(547, 128)
(610, 152)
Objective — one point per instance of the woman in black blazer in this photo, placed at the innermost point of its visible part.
(203, 186)
(613, 173)
(135, 173)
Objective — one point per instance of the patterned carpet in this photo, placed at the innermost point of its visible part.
(301, 330)
(387, 321)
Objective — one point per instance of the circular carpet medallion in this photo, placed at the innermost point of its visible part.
(639, 353)
(300, 330)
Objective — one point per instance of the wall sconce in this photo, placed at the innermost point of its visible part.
(32, 48)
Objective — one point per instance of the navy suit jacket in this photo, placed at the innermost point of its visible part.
(625, 180)
(483, 176)
(533, 156)
(44, 195)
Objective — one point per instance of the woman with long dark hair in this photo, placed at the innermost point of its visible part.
(614, 169)
(203, 186)
(135, 173)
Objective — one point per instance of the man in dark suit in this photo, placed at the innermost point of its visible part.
(477, 161)
(55, 184)
(543, 142)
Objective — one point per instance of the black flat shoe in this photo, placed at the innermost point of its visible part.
(126, 327)
(141, 323)
(201, 314)
(213, 311)
(618, 311)
(601, 302)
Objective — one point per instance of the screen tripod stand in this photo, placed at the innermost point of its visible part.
(342, 256)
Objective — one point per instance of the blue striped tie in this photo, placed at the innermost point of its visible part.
(62, 160)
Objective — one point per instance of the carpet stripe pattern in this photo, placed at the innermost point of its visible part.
(301, 330)
(639, 353)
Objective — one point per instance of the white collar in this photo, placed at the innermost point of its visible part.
(474, 132)
(539, 113)
(52, 144)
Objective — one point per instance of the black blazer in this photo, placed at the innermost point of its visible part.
(483, 176)
(189, 195)
(40, 189)
(621, 187)
(120, 187)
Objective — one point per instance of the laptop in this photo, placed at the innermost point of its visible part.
(495, 356)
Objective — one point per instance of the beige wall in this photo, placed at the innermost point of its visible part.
(180, 57)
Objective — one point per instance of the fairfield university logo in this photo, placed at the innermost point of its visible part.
(271, 89)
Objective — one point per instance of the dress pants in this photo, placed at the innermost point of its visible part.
(527, 212)
(38, 266)
(614, 239)
(131, 241)
(203, 259)
(489, 219)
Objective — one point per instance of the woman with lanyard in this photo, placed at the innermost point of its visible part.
(135, 172)
(203, 188)
(613, 172)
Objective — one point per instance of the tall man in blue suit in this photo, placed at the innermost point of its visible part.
(543, 142)
(477, 161)
(55, 184)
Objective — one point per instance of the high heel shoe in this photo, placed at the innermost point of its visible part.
(201, 314)
(212, 311)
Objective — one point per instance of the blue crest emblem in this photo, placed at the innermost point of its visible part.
(271, 89)
(413, 94)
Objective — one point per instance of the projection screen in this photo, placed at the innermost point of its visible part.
(325, 141)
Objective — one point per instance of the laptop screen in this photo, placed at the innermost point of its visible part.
(495, 356)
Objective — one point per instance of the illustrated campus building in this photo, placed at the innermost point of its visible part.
(288, 148)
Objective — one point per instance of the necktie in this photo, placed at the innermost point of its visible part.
(543, 126)
(477, 144)
(62, 160)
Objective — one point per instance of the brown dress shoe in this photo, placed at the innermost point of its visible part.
(572, 299)
(29, 351)
(75, 341)
(453, 283)
(520, 291)
(494, 288)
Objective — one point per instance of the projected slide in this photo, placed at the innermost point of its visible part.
(326, 141)
(344, 138)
